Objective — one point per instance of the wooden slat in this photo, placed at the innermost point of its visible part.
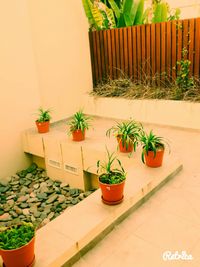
(130, 53)
(143, 53)
(105, 44)
(95, 57)
(114, 64)
(92, 56)
(121, 47)
(197, 49)
(169, 49)
(125, 51)
(180, 41)
(134, 35)
(148, 50)
(158, 52)
(102, 55)
(153, 50)
(174, 59)
(191, 45)
(98, 55)
(110, 66)
(118, 70)
(185, 34)
(163, 52)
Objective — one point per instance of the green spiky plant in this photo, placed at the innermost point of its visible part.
(16, 236)
(79, 121)
(43, 115)
(128, 132)
(110, 174)
(151, 142)
(162, 12)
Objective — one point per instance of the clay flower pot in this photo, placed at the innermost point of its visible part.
(78, 135)
(152, 160)
(112, 194)
(124, 148)
(43, 127)
(20, 257)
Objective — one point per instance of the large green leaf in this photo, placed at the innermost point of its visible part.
(115, 8)
(128, 12)
(111, 18)
(87, 7)
(139, 13)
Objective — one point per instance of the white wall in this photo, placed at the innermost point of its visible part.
(44, 60)
(60, 36)
(19, 95)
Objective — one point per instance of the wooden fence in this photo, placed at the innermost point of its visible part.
(145, 51)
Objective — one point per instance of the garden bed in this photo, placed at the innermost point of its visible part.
(31, 196)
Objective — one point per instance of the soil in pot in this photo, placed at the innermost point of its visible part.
(43, 127)
(152, 160)
(78, 135)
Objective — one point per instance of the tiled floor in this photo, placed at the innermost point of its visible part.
(170, 220)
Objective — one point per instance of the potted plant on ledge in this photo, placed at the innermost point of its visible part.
(127, 134)
(17, 245)
(111, 180)
(43, 120)
(78, 124)
(153, 149)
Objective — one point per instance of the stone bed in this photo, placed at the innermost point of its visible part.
(31, 196)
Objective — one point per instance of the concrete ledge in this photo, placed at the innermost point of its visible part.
(163, 112)
(73, 233)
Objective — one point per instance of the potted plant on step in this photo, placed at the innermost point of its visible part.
(43, 120)
(17, 245)
(127, 134)
(111, 180)
(78, 124)
(153, 148)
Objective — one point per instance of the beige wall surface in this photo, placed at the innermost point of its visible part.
(18, 83)
(61, 46)
(44, 60)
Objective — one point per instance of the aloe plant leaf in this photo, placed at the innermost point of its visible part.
(115, 8)
(139, 13)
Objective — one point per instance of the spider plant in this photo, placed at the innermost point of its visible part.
(110, 174)
(128, 132)
(152, 142)
(79, 121)
(43, 115)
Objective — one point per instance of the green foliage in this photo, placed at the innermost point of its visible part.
(162, 12)
(110, 174)
(100, 17)
(43, 115)
(16, 236)
(79, 121)
(183, 80)
(151, 142)
(128, 131)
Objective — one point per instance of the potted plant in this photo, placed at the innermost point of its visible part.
(127, 134)
(43, 120)
(153, 149)
(17, 245)
(78, 124)
(111, 180)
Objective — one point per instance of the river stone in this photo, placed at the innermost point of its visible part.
(3, 189)
(50, 216)
(5, 217)
(42, 195)
(32, 194)
(23, 198)
(36, 186)
(13, 214)
(14, 183)
(29, 176)
(17, 210)
(11, 196)
(26, 212)
(31, 200)
(27, 183)
(37, 214)
(61, 199)
(5, 181)
(33, 209)
(43, 215)
(51, 199)
(24, 205)
(74, 201)
(32, 168)
(10, 202)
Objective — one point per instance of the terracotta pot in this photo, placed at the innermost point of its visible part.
(43, 127)
(124, 148)
(78, 135)
(112, 194)
(154, 161)
(20, 257)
